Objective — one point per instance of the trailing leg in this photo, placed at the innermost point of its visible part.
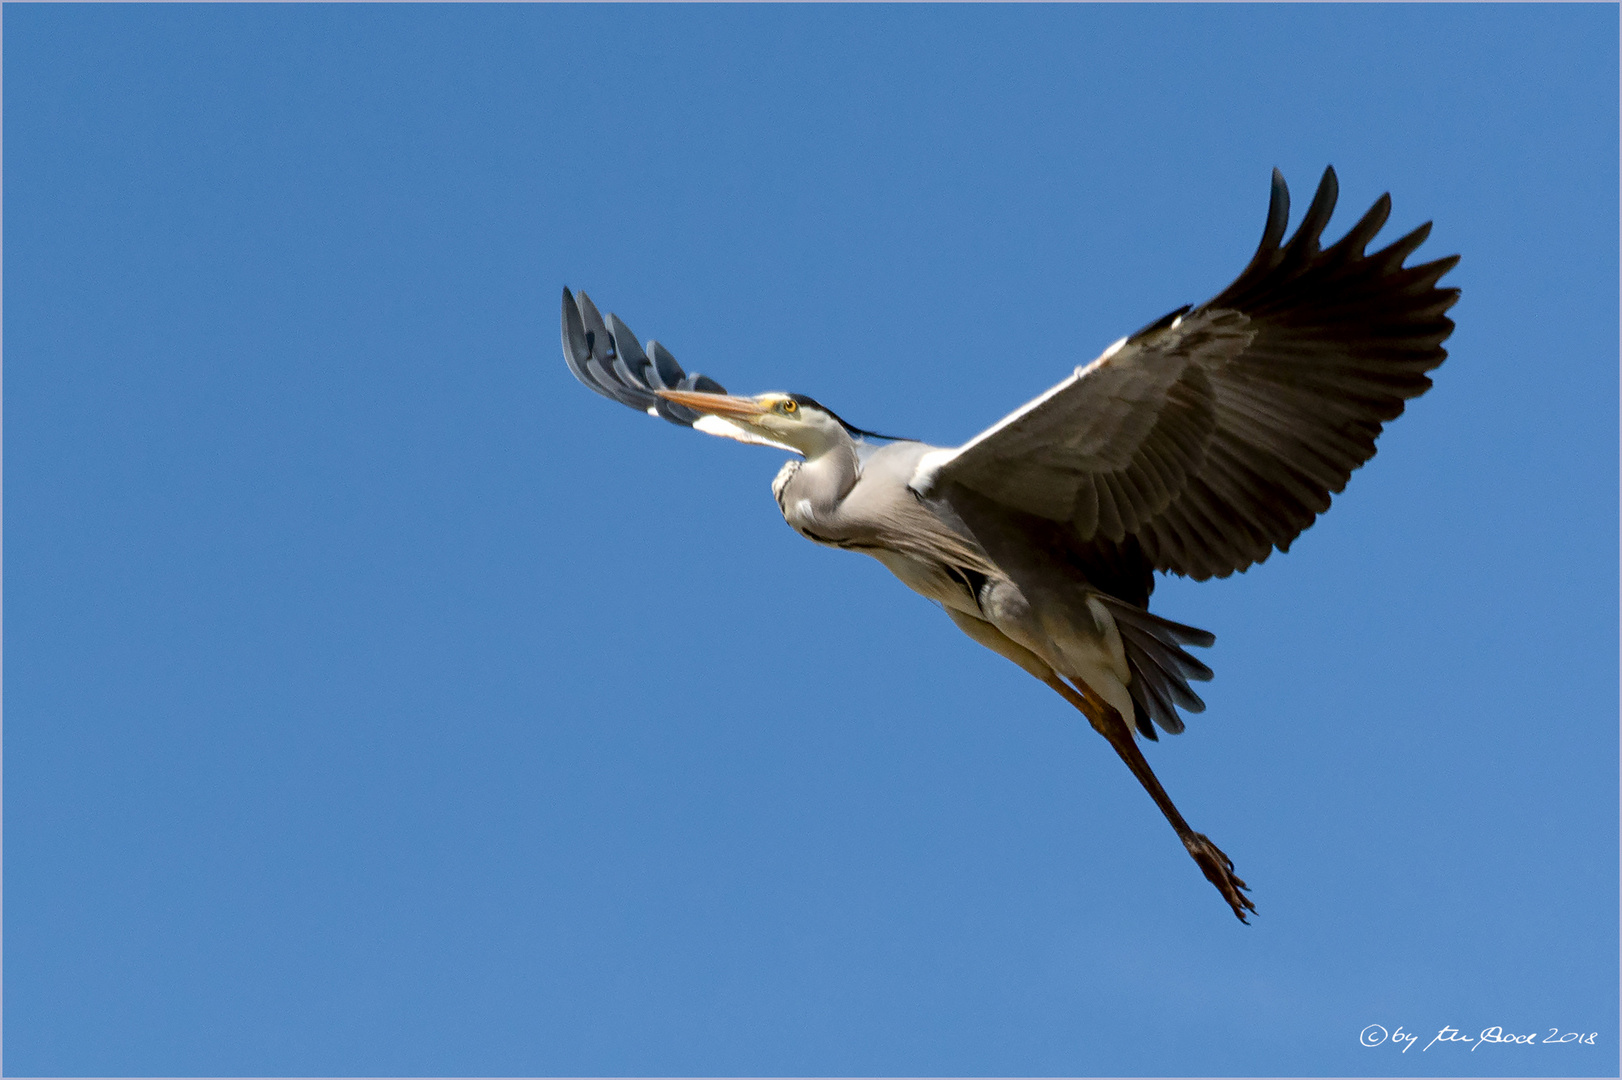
(1108, 722)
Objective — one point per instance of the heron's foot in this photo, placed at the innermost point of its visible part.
(1218, 870)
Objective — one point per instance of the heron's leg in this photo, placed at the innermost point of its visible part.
(1108, 722)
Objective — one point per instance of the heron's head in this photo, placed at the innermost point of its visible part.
(787, 421)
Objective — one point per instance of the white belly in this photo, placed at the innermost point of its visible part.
(927, 579)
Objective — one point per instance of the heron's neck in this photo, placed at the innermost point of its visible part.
(822, 481)
(832, 472)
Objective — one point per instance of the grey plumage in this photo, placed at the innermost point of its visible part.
(1196, 446)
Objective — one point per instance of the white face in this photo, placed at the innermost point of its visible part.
(710, 424)
(773, 419)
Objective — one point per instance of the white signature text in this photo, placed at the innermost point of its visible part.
(1376, 1035)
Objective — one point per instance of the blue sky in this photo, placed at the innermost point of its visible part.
(378, 700)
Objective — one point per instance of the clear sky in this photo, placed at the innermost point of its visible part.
(378, 700)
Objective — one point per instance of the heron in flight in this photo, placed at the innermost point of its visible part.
(1195, 446)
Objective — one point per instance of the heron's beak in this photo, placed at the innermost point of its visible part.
(716, 404)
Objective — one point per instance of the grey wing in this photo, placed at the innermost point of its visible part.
(1220, 432)
(604, 354)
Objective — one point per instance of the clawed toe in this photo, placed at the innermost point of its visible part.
(1218, 870)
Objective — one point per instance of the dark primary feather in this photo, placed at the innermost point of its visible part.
(1213, 436)
(603, 354)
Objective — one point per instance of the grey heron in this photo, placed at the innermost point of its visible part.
(1195, 446)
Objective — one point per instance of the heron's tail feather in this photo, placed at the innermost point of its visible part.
(1161, 668)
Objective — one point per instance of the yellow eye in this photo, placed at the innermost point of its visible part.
(791, 406)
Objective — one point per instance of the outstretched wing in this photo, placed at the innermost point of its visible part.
(604, 355)
(1220, 432)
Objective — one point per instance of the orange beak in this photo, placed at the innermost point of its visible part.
(717, 404)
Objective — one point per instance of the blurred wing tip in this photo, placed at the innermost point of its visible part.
(604, 355)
